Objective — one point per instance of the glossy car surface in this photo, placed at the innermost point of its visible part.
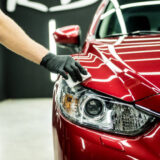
(122, 54)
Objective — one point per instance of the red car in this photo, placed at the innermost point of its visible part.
(114, 115)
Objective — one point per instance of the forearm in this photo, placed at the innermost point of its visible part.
(15, 39)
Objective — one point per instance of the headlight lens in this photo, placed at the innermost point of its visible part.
(86, 108)
(94, 107)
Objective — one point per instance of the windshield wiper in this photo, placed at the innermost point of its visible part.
(143, 32)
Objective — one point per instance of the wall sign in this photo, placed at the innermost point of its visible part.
(64, 5)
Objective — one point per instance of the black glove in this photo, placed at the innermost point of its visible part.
(61, 64)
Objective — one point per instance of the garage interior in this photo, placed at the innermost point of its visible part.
(26, 88)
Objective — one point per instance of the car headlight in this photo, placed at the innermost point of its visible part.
(87, 108)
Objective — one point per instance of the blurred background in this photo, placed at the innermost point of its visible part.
(26, 88)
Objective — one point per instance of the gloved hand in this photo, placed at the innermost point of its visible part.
(63, 64)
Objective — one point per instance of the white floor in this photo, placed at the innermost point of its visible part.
(26, 129)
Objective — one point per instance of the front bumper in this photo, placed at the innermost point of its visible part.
(72, 142)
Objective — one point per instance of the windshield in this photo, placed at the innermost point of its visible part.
(126, 16)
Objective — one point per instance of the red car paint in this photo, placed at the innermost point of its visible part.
(122, 70)
(67, 35)
(126, 68)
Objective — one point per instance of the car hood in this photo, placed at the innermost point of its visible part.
(127, 68)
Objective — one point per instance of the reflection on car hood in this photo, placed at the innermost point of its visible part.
(127, 68)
